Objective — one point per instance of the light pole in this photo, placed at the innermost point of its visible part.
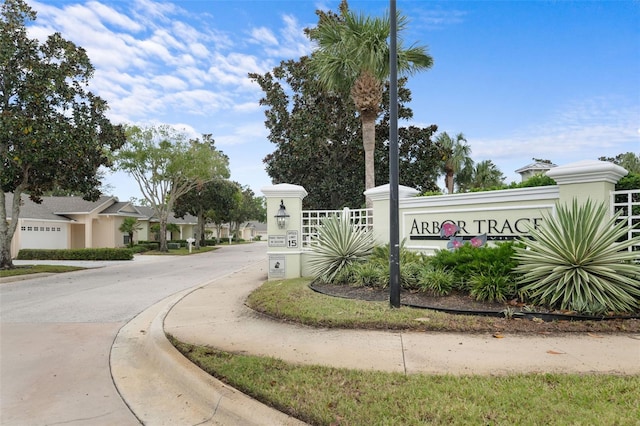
(394, 231)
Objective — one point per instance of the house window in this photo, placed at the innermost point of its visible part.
(58, 229)
(29, 228)
(35, 228)
(126, 239)
(42, 228)
(48, 229)
(23, 228)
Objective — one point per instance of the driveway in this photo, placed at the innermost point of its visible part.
(56, 332)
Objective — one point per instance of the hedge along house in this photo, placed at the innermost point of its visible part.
(69, 223)
(73, 223)
(499, 215)
(186, 226)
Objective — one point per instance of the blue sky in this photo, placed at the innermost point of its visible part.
(558, 80)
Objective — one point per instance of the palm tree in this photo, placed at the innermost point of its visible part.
(353, 58)
(455, 157)
(486, 175)
(129, 226)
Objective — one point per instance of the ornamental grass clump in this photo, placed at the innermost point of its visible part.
(579, 261)
(337, 245)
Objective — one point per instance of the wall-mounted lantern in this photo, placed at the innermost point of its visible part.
(282, 217)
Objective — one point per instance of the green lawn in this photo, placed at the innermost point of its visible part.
(328, 396)
(36, 269)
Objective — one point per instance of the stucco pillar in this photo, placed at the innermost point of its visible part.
(380, 197)
(284, 244)
(584, 180)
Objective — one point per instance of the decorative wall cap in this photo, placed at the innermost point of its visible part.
(284, 190)
(383, 192)
(538, 193)
(587, 171)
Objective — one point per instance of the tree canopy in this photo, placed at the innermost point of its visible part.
(54, 133)
(628, 160)
(210, 202)
(166, 166)
(249, 207)
(318, 144)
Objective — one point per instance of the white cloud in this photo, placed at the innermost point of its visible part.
(112, 16)
(239, 135)
(583, 130)
(232, 70)
(170, 83)
(263, 35)
(294, 42)
(434, 19)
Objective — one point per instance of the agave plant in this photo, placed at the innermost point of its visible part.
(579, 261)
(338, 244)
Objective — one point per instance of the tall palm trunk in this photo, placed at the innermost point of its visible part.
(367, 97)
(448, 180)
(369, 144)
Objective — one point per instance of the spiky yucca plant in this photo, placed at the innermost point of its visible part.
(576, 262)
(338, 244)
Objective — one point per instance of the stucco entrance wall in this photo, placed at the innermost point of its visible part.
(500, 215)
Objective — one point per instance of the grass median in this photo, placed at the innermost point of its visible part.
(329, 396)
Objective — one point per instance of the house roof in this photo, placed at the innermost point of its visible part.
(257, 226)
(57, 209)
(76, 205)
(538, 166)
(31, 210)
(148, 213)
(122, 208)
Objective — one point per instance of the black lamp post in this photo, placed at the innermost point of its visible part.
(282, 217)
(394, 235)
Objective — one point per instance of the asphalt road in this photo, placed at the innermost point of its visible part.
(56, 332)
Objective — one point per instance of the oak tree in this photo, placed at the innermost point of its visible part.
(54, 133)
(166, 165)
(210, 202)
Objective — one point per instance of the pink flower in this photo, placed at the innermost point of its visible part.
(449, 229)
(479, 241)
(455, 243)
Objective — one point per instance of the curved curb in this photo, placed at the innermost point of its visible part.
(162, 387)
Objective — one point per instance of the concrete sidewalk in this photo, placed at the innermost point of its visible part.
(215, 315)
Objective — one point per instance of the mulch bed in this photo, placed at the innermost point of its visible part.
(463, 303)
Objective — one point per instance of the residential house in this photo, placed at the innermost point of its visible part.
(72, 222)
(69, 222)
(537, 168)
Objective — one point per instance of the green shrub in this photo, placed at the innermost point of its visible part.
(410, 265)
(149, 245)
(468, 261)
(575, 263)
(492, 287)
(436, 280)
(367, 274)
(138, 248)
(76, 254)
(338, 244)
(630, 181)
